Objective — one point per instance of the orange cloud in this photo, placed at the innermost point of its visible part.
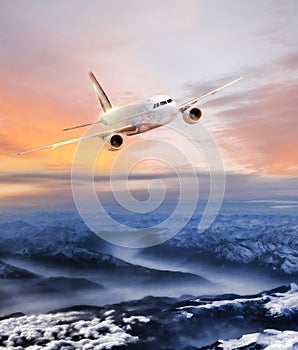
(29, 120)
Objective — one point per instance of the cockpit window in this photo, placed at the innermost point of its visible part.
(162, 103)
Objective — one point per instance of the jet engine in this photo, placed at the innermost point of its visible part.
(113, 142)
(192, 115)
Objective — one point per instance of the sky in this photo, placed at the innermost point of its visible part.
(142, 48)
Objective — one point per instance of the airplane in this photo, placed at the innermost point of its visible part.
(135, 118)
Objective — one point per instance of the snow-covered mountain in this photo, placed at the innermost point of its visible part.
(263, 240)
(22, 238)
(67, 257)
(258, 240)
(163, 323)
(53, 260)
(8, 271)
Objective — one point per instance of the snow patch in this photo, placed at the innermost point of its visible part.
(187, 314)
(221, 303)
(269, 339)
(109, 312)
(245, 340)
(63, 330)
(134, 319)
(283, 304)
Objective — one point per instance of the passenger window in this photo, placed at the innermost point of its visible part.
(163, 102)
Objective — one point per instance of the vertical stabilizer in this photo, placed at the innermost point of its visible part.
(102, 97)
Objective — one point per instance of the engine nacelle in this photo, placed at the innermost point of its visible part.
(192, 115)
(113, 142)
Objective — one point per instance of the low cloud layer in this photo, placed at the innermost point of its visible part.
(54, 189)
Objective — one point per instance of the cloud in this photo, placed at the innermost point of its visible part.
(257, 127)
(53, 189)
(263, 134)
(6, 145)
(288, 63)
(33, 178)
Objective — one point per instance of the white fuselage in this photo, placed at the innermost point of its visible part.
(144, 115)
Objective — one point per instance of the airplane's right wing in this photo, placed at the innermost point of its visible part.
(102, 134)
(197, 99)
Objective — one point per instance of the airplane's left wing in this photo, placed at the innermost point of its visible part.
(82, 125)
(195, 100)
(101, 134)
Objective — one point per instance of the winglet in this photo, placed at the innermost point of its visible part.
(102, 97)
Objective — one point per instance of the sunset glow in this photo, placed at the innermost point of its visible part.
(183, 50)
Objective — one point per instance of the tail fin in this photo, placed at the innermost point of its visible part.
(102, 97)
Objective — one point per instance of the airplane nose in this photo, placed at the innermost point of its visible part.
(170, 115)
(174, 110)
